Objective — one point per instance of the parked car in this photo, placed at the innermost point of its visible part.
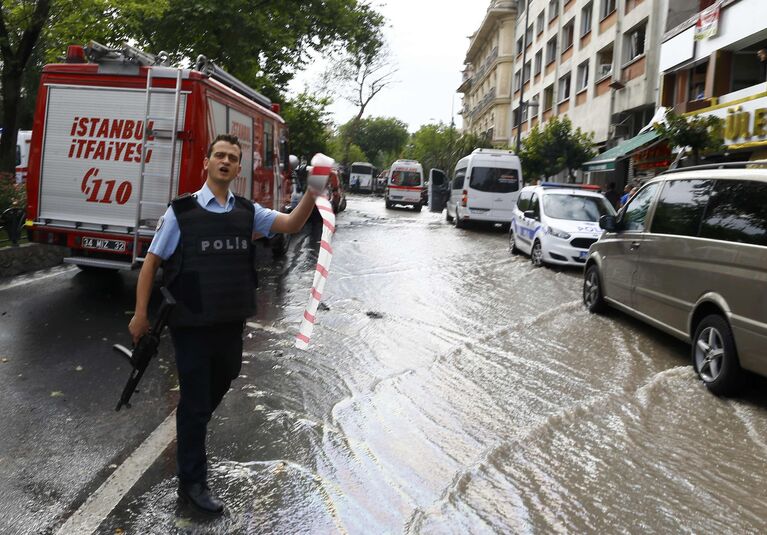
(688, 254)
(485, 187)
(557, 223)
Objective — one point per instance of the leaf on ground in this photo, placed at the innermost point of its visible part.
(79, 369)
(184, 523)
(374, 315)
(174, 389)
(57, 394)
(5, 359)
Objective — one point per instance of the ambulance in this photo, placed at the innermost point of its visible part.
(118, 133)
(404, 185)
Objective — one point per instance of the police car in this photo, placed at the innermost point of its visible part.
(557, 223)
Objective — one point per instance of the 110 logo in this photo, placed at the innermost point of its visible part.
(92, 187)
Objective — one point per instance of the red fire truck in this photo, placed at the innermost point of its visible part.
(118, 136)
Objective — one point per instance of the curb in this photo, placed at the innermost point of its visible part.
(15, 260)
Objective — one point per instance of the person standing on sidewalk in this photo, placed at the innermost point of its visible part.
(204, 241)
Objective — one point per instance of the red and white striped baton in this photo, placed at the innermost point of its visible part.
(320, 274)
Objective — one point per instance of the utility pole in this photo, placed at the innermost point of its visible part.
(522, 78)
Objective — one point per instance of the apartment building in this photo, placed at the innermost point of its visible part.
(711, 64)
(595, 61)
(486, 84)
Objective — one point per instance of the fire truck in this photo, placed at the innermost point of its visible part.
(118, 133)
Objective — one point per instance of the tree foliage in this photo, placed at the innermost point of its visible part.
(700, 134)
(440, 146)
(555, 147)
(308, 124)
(338, 149)
(378, 137)
(262, 42)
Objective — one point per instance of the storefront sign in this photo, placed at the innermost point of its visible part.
(707, 24)
(744, 122)
(656, 157)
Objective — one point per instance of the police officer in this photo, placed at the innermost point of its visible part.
(204, 240)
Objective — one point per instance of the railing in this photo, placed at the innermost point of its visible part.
(482, 104)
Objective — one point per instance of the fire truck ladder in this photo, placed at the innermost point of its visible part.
(164, 138)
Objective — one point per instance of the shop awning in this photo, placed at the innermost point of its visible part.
(606, 160)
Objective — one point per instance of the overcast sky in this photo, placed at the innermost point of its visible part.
(428, 39)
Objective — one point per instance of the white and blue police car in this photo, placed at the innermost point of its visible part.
(557, 223)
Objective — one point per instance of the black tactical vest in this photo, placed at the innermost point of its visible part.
(212, 272)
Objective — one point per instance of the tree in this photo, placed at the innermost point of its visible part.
(438, 146)
(554, 148)
(308, 124)
(337, 148)
(378, 137)
(700, 134)
(20, 26)
(364, 69)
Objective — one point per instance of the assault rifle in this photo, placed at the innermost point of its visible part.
(145, 349)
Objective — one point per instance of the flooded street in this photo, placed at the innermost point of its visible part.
(453, 388)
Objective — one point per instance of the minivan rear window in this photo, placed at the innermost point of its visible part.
(494, 179)
(406, 178)
(737, 212)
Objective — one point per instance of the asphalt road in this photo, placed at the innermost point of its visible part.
(449, 388)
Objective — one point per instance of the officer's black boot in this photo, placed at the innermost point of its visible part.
(199, 497)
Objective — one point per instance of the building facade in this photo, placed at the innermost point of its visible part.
(595, 61)
(486, 84)
(711, 64)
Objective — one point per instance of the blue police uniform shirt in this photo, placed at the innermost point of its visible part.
(168, 234)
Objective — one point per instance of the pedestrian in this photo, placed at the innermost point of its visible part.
(762, 55)
(204, 244)
(612, 195)
(626, 194)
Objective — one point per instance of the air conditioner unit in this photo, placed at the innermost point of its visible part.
(605, 69)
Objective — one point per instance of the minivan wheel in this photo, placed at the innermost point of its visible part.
(536, 255)
(417, 207)
(512, 243)
(714, 356)
(592, 291)
(448, 217)
(459, 223)
(388, 204)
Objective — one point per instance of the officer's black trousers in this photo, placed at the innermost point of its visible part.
(208, 359)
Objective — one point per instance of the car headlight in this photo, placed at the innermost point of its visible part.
(558, 233)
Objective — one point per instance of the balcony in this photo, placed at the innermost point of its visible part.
(483, 103)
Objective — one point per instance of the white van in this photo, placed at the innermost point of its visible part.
(485, 187)
(361, 176)
(405, 185)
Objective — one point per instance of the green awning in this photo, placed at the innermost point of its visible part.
(606, 160)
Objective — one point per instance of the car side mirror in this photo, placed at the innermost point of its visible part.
(530, 214)
(608, 223)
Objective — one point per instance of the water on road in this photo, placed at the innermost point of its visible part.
(452, 388)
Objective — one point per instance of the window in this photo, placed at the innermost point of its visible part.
(737, 212)
(523, 201)
(587, 13)
(568, 32)
(538, 62)
(517, 79)
(553, 9)
(564, 87)
(608, 6)
(548, 97)
(540, 21)
(460, 174)
(551, 50)
(634, 43)
(576, 207)
(526, 72)
(634, 214)
(494, 179)
(680, 207)
(604, 62)
(520, 44)
(582, 80)
(268, 144)
(529, 35)
(535, 206)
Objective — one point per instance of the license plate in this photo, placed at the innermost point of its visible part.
(104, 244)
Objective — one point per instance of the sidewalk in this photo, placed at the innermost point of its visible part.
(26, 257)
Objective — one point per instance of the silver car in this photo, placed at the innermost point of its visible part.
(688, 254)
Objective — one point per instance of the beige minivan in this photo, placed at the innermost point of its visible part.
(688, 254)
